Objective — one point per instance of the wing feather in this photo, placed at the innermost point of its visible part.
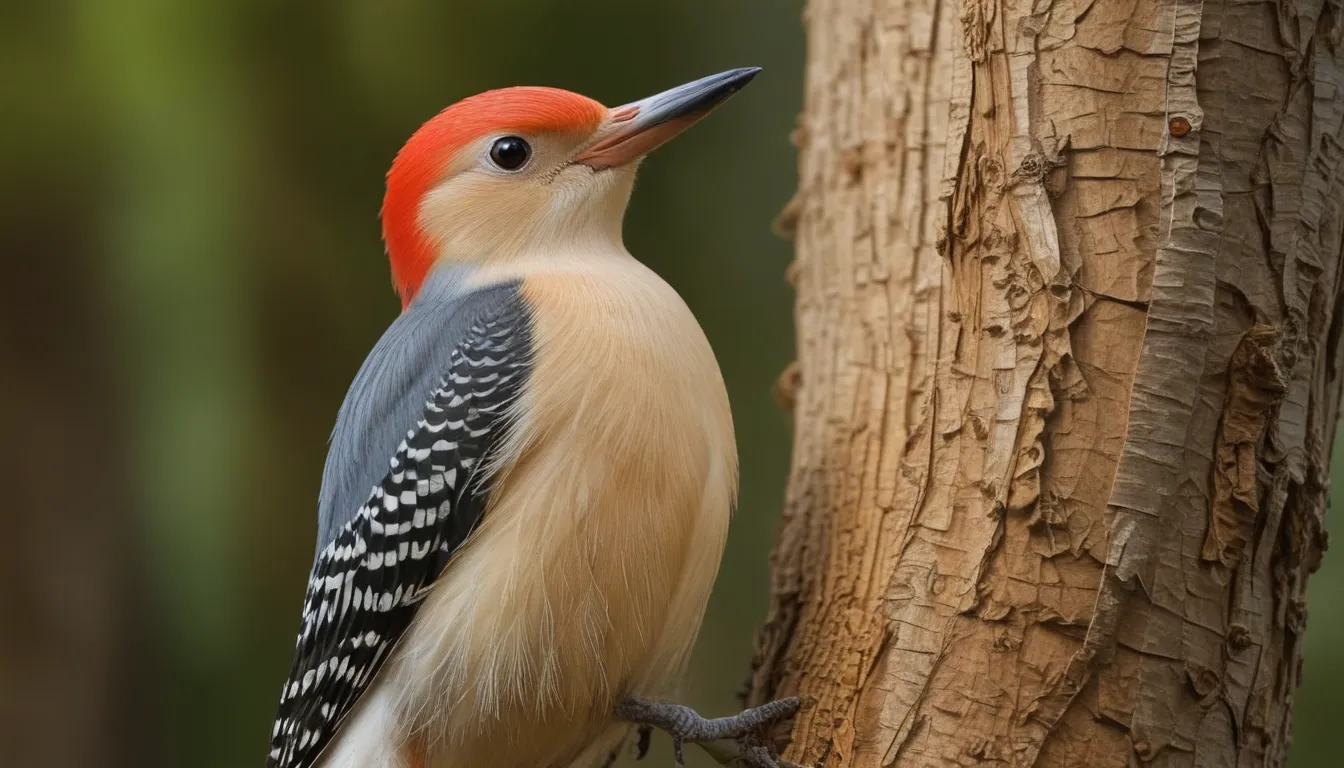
(368, 581)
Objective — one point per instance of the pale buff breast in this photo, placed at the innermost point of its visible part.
(589, 576)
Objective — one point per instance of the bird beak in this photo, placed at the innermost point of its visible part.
(636, 129)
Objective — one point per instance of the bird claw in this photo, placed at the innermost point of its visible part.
(685, 724)
(756, 754)
(645, 735)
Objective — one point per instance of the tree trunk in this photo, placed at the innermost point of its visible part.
(1069, 333)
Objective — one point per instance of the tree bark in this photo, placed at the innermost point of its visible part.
(1068, 376)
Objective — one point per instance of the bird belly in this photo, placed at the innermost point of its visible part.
(588, 577)
(575, 591)
(587, 581)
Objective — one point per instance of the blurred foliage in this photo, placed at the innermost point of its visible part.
(193, 188)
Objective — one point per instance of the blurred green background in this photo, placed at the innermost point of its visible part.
(188, 214)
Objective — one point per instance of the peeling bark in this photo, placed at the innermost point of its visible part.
(1068, 374)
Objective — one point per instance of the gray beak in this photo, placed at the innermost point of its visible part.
(635, 129)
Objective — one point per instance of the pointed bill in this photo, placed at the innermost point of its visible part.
(633, 130)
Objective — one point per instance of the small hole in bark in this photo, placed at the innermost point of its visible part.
(1179, 126)
(978, 427)
(1239, 637)
(1207, 220)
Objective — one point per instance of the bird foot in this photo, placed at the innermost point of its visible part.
(685, 724)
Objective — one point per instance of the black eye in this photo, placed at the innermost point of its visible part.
(510, 153)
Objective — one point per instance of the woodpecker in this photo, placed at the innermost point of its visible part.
(529, 482)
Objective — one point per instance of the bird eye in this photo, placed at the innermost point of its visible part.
(510, 153)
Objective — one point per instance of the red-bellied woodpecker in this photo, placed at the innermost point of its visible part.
(529, 482)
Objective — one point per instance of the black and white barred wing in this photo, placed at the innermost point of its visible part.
(365, 585)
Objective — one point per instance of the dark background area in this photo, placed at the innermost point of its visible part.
(193, 273)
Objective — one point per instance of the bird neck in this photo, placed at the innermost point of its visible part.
(472, 222)
(555, 232)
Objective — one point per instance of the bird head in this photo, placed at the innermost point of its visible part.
(522, 169)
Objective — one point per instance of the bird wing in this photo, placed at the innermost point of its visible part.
(368, 579)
